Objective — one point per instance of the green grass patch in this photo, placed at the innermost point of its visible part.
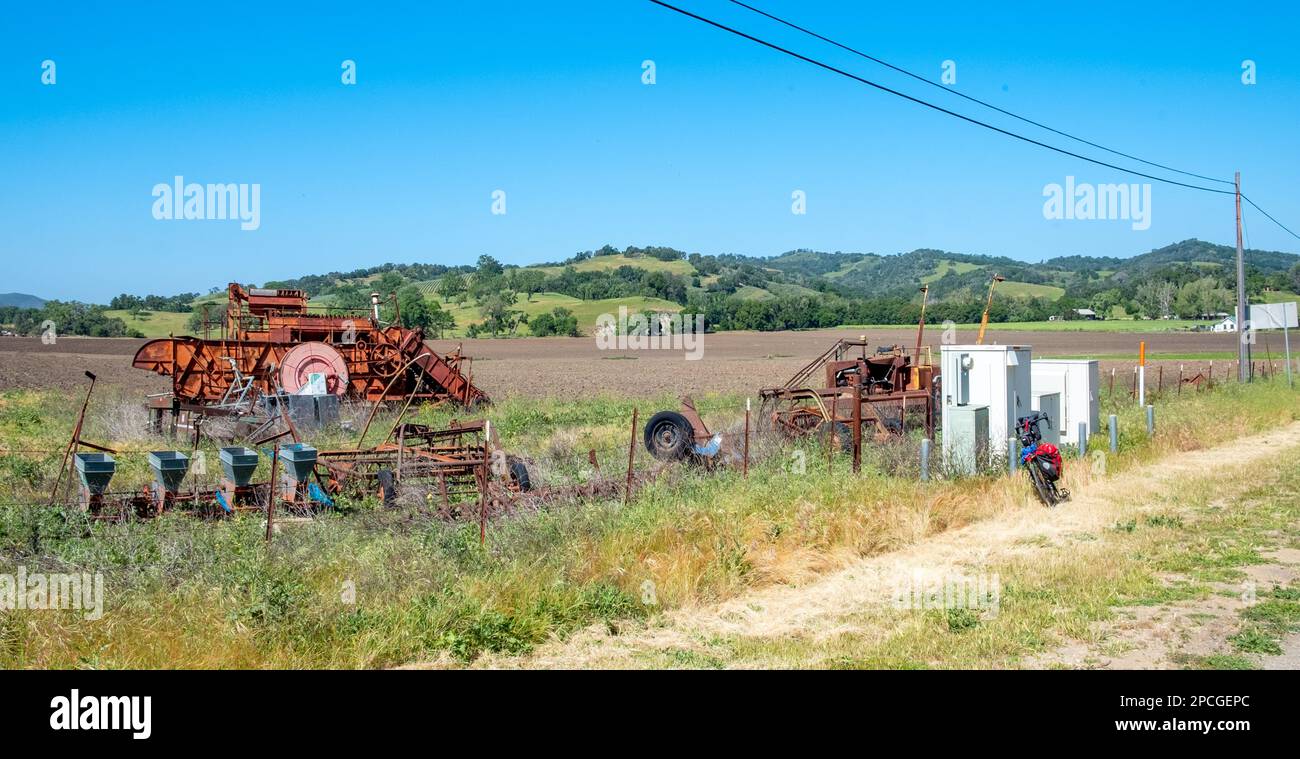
(153, 323)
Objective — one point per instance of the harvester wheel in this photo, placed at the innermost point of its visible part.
(519, 477)
(840, 434)
(668, 436)
(387, 487)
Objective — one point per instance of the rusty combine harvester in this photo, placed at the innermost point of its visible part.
(872, 394)
(271, 343)
(887, 385)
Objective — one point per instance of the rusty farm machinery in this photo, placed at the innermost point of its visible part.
(456, 463)
(461, 462)
(274, 346)
(839, 396)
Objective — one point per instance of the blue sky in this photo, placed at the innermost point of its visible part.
(546, 102)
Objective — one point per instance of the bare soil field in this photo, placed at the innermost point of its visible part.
(732, 362)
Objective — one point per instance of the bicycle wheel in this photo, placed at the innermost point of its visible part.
(1042, 488)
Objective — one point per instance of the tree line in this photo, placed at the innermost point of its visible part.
(65, 318)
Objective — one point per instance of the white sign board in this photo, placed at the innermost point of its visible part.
(1273, 315)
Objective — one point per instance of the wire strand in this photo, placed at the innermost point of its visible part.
(959, 94)
(968, 119)
(930, 105)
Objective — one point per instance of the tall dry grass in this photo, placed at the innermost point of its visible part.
(376, 588)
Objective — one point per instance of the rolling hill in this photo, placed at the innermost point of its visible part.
(21, 300)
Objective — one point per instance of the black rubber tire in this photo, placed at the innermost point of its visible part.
(842, 436)
(1044, 489)
(387, 487)
(519, 475)
(668, 436)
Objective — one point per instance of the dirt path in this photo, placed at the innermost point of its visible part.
(827, 606)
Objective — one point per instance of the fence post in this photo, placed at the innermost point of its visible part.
(857, 427)
(745, 465)
(631, 458)
(1083, 440)
(1012, 457)
(273, 494)
(925, 459)
(1151, 420)
(1114, 433)
(481, 477)
(401, 451)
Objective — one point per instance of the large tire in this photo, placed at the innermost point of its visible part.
(387, 487)
(841, 436)
(519, 476)
(668, 436)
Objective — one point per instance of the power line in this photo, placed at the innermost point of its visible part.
(969, 119)
(986, 104)
(1270, 218)
(928, 104)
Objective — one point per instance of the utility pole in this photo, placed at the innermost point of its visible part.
(1243, 347)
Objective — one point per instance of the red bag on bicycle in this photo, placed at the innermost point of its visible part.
(1048, 459)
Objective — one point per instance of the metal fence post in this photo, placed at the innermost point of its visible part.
(1083, 440)
(1114, 433)
(272, 495)
(1151, 420)
(631, 458)
(1011, 456)
(925, 459)
(745, 465)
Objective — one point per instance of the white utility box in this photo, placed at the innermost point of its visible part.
(996, 376)
(1050, 404)
(966, 439)
(1079, 383)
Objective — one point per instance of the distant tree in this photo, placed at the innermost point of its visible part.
(1154, 298)
(498, 314)
(527, 281)
(489, 266)
(440, 321)
(414, 308)
(451, 285)
(388, 282)
(559, 321)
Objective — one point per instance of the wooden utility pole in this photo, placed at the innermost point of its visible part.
(1243, 348)
(920, 325)
(984, 320)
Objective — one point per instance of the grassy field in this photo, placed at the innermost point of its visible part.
(606, 263)
(154, 323)
(1278, 296)
(1028, 289)
(1079, 325)
(945, 266)
(586, 311)
(364, 587)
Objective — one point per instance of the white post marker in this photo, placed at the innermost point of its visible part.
(1142, 373)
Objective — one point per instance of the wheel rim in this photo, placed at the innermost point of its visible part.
(666, 436)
